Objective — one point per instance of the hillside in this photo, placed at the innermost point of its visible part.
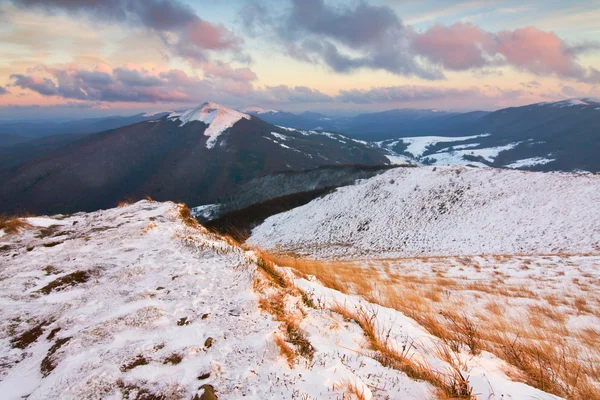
(198, 156)
(141, 302)
(431, 211)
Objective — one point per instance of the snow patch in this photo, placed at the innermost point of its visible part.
(399, 159)
(279, 136)
(418, 145)
(258, 110)
(529, 162)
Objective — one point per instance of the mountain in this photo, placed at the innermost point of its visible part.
(305, 121)
(33, 148)
(443, 211)
(198, 156)
(89, 125)
(7, 140)
(258, 110)
(558, 136)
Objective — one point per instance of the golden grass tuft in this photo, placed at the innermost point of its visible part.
(12, 225)
(185, 214)
(350, 389)
(286, 350)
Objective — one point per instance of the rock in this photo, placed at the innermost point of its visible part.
(204, 376)
(208, 394)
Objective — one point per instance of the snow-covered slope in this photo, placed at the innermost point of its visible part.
(444, 211)
(219, 118)
(134, 302)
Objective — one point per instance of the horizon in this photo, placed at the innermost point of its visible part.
(85, 60)
(332, 113)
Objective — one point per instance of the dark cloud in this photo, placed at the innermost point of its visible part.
(42, 86)
(104, 84)
(186, 34)
(121, 85)
(343, 38)
(3, 90)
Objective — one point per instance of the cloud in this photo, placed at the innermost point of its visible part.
(456, 47)
(117, 85)
(402, 93)
(341, 37)
(3, 90)
(531, 84)
(346, 38)
(287, 94)
(219, 69)
(464, 46)
(182, 30)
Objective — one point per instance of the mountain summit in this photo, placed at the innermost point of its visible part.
(218, 117)
(197, 155)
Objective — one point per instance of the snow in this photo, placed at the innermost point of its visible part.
(218, 118)
(205, 211)
(399, 159)
(157, 287)
(258, 110)
(153, 114)
(418, 145)
(460, 147)
(43, 221)
(570, 103)
(529, 162)
(286, 128)
(456, 157)
(279, 136)
(452, 158)
(486, 373)
(443, 211)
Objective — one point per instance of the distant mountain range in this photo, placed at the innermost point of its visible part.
(555, 136)
(198, 155)
(204, 154)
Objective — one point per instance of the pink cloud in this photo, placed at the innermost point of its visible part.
(538, 51)
(210, 36)
(464, 46)
(455, 47)
(218, 69)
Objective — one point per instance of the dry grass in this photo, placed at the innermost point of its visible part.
(185, 214)
(451, 385)
(286, 350)
(275, 291)
(541, 349)
(12, 225)
(351, 390)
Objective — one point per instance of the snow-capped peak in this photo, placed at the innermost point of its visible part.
(218, 117)
(573, 102)
(258, 110)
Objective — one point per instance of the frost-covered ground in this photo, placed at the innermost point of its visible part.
(429, 211)
(133, 303)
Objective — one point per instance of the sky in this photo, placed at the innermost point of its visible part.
(80, 58)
